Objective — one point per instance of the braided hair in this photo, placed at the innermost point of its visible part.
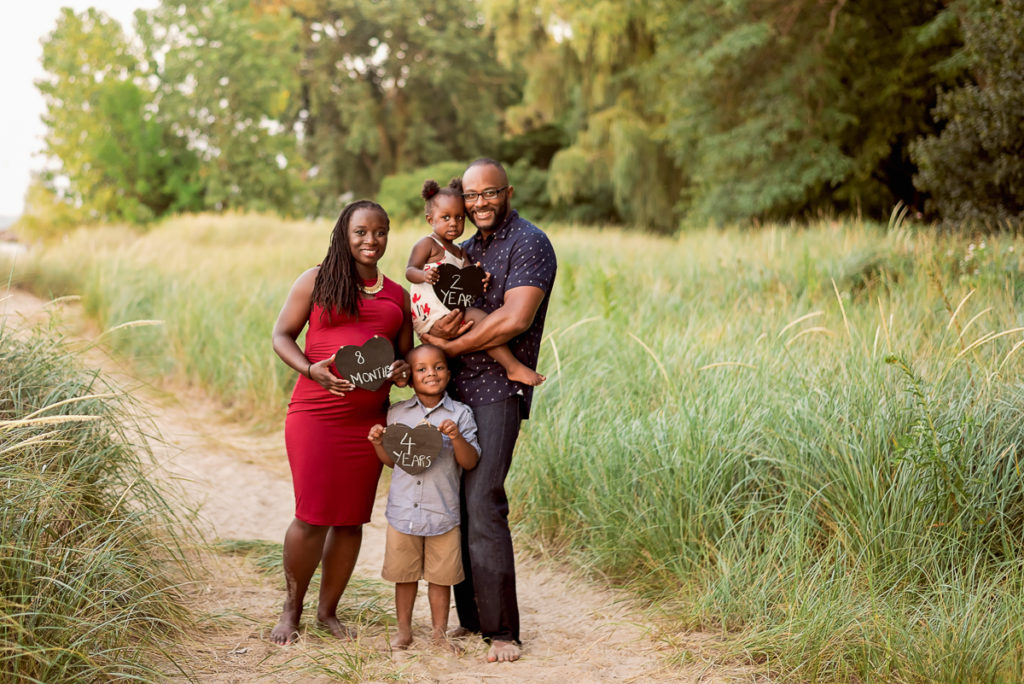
(431, 190)
(337, 284)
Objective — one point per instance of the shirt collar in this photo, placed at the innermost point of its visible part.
(502, 231)
(445, 402)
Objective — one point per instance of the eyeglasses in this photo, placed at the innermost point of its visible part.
(488, 194)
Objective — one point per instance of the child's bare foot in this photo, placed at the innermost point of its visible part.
(401, 640)
(524, 374)
(285, 633)
(334, 626)
(503, 652)
(441, 641)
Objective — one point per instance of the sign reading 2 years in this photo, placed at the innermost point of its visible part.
(458, 288)
(412, 449)
(366, 366)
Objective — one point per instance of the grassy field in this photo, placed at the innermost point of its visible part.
(90, 564)
(807, 439)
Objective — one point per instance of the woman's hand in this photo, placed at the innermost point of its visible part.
(399, 373)
(320, 373)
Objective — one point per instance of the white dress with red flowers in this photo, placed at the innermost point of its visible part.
(426, 307)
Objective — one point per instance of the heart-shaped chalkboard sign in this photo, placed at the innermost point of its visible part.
(412, 449)
(366, 366)
(458, 288)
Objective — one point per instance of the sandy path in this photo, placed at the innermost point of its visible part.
(238, 483)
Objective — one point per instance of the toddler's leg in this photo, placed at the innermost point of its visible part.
(439, 597)
(405, 597)
(514, 368)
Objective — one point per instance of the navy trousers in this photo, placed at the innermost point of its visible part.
(486, 599)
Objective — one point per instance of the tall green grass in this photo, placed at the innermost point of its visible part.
(89, 564)
(806, 438)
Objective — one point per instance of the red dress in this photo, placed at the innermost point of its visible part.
(334, 467)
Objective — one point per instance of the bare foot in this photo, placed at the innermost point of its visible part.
(400, 641)
(441, 641)
(285, 633)
(334, 626)
(503, 652)
(459, 632)
(524, 374)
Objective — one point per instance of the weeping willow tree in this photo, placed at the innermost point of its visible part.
(748, 109)
(586, 71)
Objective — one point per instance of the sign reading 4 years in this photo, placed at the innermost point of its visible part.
(412, 449)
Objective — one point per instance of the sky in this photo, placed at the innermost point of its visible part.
(23, 25)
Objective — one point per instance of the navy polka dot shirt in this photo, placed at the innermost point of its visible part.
(517, 254)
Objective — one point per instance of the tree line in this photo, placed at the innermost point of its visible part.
(651, 113)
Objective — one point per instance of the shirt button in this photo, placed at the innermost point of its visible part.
(418, 482)
(415, 505)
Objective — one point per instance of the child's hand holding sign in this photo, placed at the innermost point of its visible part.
(449, 429)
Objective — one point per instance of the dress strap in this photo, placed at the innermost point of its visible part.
(445, 249)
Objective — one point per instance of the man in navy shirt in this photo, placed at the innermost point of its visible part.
(521, 261)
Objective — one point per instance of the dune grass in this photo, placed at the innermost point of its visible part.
(804, 438)
(89, 563)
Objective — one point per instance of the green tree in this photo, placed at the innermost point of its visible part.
(394, 86)
(782, 107)
(111, 158)
(228, 74)
(974, 168)
(747, 109)
(586, 74)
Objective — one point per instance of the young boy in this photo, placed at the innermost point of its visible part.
(423, 510)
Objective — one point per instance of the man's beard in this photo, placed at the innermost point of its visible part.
(499, 216)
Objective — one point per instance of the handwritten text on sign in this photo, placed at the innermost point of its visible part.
(366, 366)
(458, 288)
(412, 449)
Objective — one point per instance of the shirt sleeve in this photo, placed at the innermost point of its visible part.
(532, 262)
(467, 427)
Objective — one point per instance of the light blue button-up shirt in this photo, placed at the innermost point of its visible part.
(427, 504)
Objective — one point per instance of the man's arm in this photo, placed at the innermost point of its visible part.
(513, 317)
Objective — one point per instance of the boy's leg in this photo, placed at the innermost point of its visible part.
(405, 597)
(442, 567)
(303, 546)
(339, 558)
(515, 369)
(403, 565)
(439, 596)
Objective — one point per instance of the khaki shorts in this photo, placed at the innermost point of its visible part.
(409, 558)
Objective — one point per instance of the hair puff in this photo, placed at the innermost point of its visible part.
(430, 188)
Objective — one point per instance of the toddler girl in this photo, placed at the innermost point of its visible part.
(446, 214)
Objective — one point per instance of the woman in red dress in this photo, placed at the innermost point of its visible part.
(344, 300)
